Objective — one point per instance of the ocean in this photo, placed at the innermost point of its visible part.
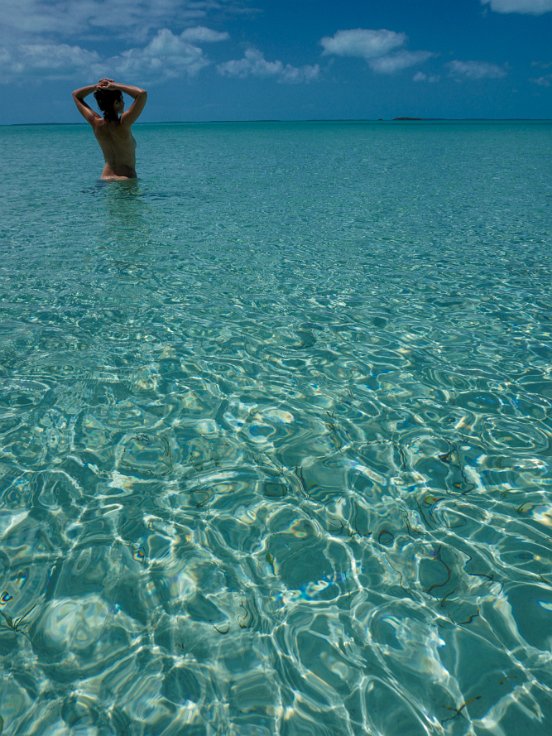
(275, 427)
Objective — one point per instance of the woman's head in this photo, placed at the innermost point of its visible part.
(110, 102)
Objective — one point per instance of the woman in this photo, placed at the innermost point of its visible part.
(113, 130)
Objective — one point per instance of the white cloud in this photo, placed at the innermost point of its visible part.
(381, 49)
(34, 37)
(254, 64)
(45, 59)
(166, 56)
(200, 34)
(120, 18)
(63, 16)
(476, 70)
(400, 60)
(362, 43)
(530, 7)
(55, 56)
(544, 81)
(423, 77)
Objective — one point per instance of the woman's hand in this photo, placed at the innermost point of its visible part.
(106, 84)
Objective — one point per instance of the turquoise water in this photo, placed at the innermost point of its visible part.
(275, 431)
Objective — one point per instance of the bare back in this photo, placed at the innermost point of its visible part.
(113, 131)
(118, 147)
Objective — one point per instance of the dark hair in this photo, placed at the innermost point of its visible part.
(106, 98)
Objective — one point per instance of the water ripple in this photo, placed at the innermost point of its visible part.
(276, 453)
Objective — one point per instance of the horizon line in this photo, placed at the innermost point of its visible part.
(398, 119)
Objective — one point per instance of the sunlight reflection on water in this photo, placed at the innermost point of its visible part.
(275, 432)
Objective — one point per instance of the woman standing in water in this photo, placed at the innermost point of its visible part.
(113, 130)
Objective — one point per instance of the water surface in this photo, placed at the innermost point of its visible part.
(275, 431)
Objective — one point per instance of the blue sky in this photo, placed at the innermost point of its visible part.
(281, 59)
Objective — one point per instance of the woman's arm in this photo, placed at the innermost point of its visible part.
(126, 88)
(140, 98)
(85, 110)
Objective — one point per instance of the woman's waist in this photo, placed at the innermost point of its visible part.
(119, 169)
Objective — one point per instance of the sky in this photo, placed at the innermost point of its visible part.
(280, 59)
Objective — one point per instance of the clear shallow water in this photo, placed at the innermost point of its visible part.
(275, 431)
